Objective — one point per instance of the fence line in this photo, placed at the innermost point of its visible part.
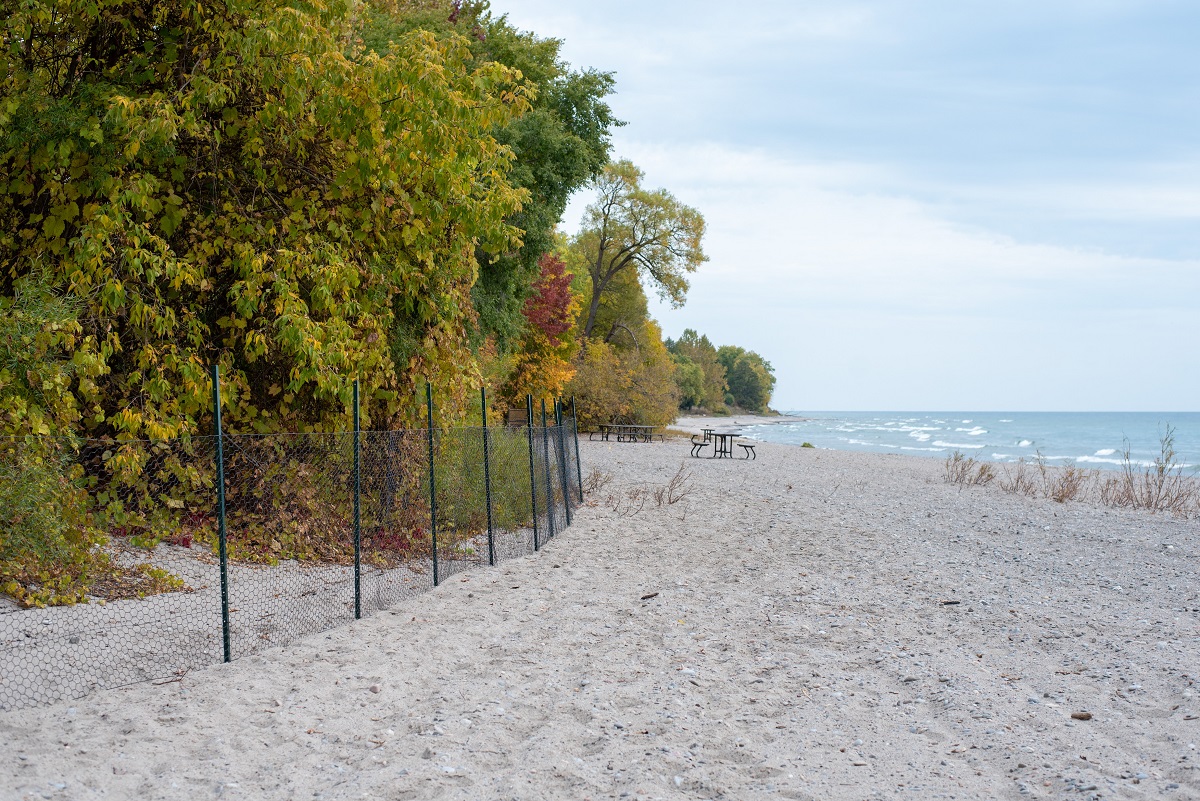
(217, 547)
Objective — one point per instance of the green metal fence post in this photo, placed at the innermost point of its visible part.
(549, 487)
(578, 463)
(561, 445)
(487, 476)
(357, 510)
(221, 544)
(532, 472)
(432, 482)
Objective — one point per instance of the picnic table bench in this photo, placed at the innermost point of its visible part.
(625, 432)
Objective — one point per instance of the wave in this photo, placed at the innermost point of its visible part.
(1105, 452)
(974, 431)
(1025, 443)
(939, 443)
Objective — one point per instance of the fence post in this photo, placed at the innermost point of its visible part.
(487, 475)
(221, 545)
(549, 487)
(432, 482)
(357, 510)
(562, 459)
(575, 429)
(532, 473)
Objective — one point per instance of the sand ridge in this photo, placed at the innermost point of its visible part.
(795, 643)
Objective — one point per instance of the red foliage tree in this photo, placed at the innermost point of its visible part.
(549, 307)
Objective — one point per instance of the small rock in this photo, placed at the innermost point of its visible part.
(1081, 715)
(375, 688)
(427, 754)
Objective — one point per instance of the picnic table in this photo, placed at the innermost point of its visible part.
(722, 445)
(625, 432)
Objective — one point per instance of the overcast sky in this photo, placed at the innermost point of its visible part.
(923, 205)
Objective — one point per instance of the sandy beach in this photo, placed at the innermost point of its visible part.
(808, 625)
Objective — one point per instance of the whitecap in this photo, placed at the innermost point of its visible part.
(1100, 460)
(1004, 421)
(939, 443)
(1105, 452)
(1025, 443)
(974, 431)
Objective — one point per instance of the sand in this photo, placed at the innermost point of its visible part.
(782, 631)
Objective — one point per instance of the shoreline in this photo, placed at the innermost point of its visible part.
(729, 424)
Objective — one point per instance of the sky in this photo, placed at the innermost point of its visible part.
(922, 204)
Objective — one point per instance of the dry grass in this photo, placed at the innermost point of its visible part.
(1159, 487)
(966, 471)
(596, 481)
(1017, 479)
(632, 500)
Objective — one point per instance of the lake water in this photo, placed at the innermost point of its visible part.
(1087, 439)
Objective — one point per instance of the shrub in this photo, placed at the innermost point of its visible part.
(965, 471)
(1160, 487)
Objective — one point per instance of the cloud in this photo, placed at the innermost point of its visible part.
(875, 297)
(920, 203)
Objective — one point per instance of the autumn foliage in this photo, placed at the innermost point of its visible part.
(543, 361)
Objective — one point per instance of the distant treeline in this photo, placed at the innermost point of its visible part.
(714, 379)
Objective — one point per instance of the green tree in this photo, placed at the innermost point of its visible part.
(244, 183)
(630, 230)
(727, 355)
(751, 378)
(690, 380)
(701, 351)
(558, 145)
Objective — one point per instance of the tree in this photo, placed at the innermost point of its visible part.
(632, 230)
(558, 145)
(690, 380)
(626, 385)
(543, 361)
(751, 378)
(243, 183)
(703, 354)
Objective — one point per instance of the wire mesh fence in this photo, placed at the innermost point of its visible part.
(318, 529)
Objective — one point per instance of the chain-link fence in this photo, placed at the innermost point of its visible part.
(315, 530)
